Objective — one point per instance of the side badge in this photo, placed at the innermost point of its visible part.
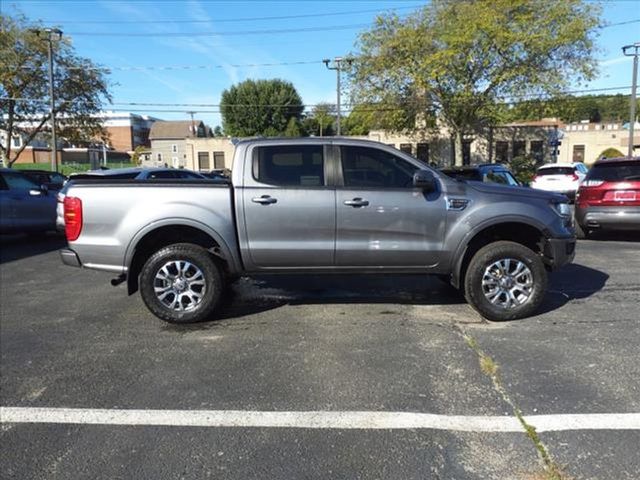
(457, 204)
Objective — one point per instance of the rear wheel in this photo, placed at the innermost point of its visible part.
(505, 281)
(181, 283)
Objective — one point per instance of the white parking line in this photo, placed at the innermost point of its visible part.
(319, 419)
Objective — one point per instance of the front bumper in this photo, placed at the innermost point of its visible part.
(70, 258)
(559, 252)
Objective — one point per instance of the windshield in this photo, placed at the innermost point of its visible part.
(615, 172)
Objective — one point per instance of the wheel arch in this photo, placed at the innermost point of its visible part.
(158, 235)
(531, 235)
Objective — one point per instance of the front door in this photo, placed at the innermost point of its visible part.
(382, 220)
(289, 212)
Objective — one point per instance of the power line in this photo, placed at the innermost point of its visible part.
(523, 97)
(353, 26)
(230, 20)
(258, 32)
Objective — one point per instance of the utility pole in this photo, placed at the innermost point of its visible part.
(337, 66)
(52, 32)
(193, 125)
(632, 51)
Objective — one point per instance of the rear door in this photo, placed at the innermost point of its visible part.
(382, 220)
(289, 211)
(31, 209)
(6, 206)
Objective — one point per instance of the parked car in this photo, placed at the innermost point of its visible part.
(485, 172)
(331, 205)
(25, 206)
(609, 197)
(139, 173)
(562, 178)
(220, 176)
(122, 174)
(52, 180)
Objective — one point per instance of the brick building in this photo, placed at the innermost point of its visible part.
(126, 130)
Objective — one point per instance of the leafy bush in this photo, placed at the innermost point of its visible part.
(524, 168)
(610, 153)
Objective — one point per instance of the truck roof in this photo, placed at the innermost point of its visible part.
(311, 140)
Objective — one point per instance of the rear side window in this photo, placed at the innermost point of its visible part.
(502, 177)
(289, 165)
(555, 171)
(17, 181)
(615, 172)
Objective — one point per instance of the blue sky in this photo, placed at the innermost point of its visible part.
(238, 44)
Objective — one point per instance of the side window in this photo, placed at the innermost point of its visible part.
(295, 165)
(3, 184)
(504, 178)
(19, 182)
(371, 167)
(162, 174)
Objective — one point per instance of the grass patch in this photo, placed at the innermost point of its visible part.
(491, 369)
(68, 168)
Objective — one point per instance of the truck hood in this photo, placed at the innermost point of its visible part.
(524, 192)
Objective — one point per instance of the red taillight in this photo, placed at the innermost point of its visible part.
(535, 178)
(575, 178)
(72, 217)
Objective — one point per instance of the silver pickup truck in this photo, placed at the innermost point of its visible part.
(318, 205)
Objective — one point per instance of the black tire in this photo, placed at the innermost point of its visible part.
(582, 233)
(489, 256)
(185, 310)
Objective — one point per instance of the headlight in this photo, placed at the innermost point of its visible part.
(562, 209)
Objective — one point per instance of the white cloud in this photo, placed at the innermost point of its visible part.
(614, 61)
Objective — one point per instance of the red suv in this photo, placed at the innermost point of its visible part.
(609, 197)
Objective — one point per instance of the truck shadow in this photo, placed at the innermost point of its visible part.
(572, 282)
(259, 294)
(613, 236)
(17, 247)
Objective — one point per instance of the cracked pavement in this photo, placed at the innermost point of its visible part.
(68, 339)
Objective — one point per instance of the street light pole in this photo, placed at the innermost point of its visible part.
(634, 52)
(51, 32)
(337, 66)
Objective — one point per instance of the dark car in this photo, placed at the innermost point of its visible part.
(485, 172)
(609, 197)
(139, 174)
(220, 176)
(52, 180)
(25, 206)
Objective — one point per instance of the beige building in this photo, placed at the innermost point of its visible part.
(205, 154)
(585, 142)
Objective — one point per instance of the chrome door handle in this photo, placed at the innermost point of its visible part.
(264, 200)
(357, 202)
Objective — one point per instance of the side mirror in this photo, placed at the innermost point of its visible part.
(425, 180)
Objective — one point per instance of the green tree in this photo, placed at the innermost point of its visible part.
(259, 107)
(293, 128)
(217, 131)
(80, 88)
(320, 120)
(457, 59)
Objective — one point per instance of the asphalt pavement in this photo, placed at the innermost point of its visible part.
(293, 344)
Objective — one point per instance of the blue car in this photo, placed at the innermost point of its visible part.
(25, 206)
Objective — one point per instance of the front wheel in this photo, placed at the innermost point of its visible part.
(181, 283)
(505, 281)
